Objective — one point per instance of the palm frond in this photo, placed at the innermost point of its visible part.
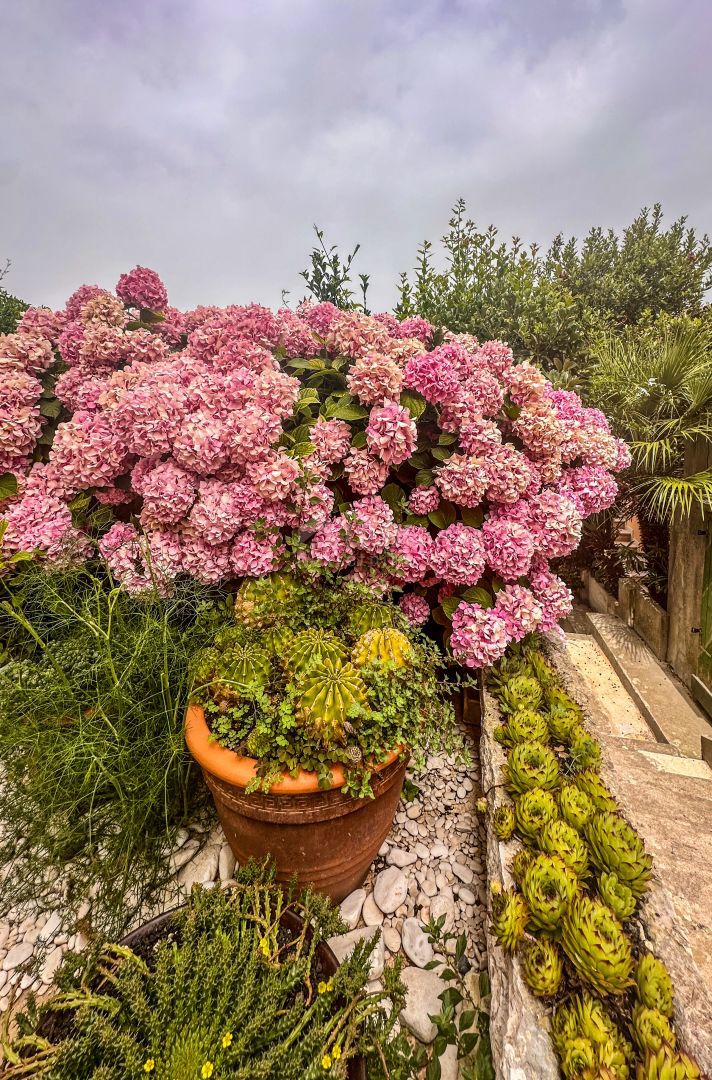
(667, 497)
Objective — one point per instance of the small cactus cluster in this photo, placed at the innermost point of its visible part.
(579, 873)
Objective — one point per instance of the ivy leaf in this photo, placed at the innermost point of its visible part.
(414, 403)
(8, 485)
(450, 605)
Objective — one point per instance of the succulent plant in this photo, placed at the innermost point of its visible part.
(369, 615)
(532, 811)
(542, 967)
(617, 895)
(599, 1072)
(583, 1028)
(326, 692)
(503, 822)
(585, 751)
(557, 700)
(562, 723)
(225, 674)
(548, 886)
(666, 1064)
(313, 646)
(653, 983)
(521, 692)
(651, 1029)
(262, 601)
(520, 862)
(591, 784)
(385, 644)
(559, 838)
(501, 735)
(575, 806)
(507, 668)
(595, 943)
(277, 639)
(618, 848)
(526, 725)
(509, 916)
(531, 765)
(541, 669)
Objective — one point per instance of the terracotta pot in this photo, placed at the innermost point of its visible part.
(320, 836)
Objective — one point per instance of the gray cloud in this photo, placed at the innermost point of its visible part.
(203, 137)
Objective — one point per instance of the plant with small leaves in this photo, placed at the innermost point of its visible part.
(542, 966)
(503, 822)
(653, 984)
(510, 916)
(532, 811)
(531, 765)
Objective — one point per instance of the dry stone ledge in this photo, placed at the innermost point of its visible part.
(519, 1024)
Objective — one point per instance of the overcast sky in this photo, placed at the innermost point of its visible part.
(204, 137)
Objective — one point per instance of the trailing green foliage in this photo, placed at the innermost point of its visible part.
(11, 308)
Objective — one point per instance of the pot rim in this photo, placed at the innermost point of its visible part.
(234, 769)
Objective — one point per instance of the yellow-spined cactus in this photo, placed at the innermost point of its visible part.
(224, 675)
(262, 601)
(325, 694)
(384, 645)
(313, 646)
(370, 615)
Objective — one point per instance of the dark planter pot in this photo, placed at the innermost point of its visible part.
(322, 837)
(143, 939)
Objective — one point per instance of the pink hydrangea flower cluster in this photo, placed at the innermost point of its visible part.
(230, 460)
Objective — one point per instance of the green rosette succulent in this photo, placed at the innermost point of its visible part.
(557, 699)
(586, 1018)
(591, 784)
(595, 943)
(651, 1029)
(520, 862)
(598, 1072)
(521, 692)
(618, 848)
(526, 725)
(666, 1064)
(532, 811)
(562, 724)
(575, 806)
(541, 669)
(542, 967)
(503, 822)
(585, 751)
(509, 667)
(313, 646)
(617, 895)
(501, 735)
(531, 765)
(548, 886)
(324, 695)
(654, 985)
(559, 838)
(509, 917)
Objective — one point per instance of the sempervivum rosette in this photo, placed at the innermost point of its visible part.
(531, 765)
(532, 811)
(666, 1064)
(526, 725)
(591, 784)
(520, 862)
(585, 751)
(617, 895)
(521, 692)
(558, 838)
(586, 1038)
(503, 822)
(542, 967)
(595, 943)
(509, 917)
(575, 806)
(651, 1029)
(562, 724)
(617, 848)
(548, 886)
(653, 984)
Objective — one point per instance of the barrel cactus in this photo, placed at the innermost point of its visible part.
(542, 967)
(370, 615)
(509, 917)
(558, 838)
(382, 645)
(617, 848)
(617, 895)
(526, 725)
(666, 1064)
(262, 601)
(326, 693)
(594, 941)
(277, 639)
(224, 675)
(531, 765)
(520, 862)
(521, 692)
(591, 784)
(575, 806)
(503, 822)
(313, 646)
(651, 1029)
(654, 985)
(532, 811)
(585, 751)
(548, 886)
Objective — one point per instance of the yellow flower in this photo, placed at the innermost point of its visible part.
(326, 1062)
(321, 988)
(207, 1070)
(149, 1066)
(264, 946)
(330, 985)
(226, 1039)
(336, 1053)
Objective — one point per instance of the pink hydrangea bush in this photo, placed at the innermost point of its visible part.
(229, 441)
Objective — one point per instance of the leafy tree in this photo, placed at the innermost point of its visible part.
(11, 308)
(329, 276)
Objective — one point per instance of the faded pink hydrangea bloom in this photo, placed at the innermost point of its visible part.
(423, 500)
(142, 288)
(520, 611)
(463, 480)
(391, 433)
(458, 554)
(415, 608)
(252, 557)
(366, 474)
(332, 439)
(479, 635)
(375, 378)
(509, 548)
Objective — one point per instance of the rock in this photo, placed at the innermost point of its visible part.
(183, 855)
(466, 895)
(415, 943)
(422, 851)
(54, 959)
(442, 904)
(464, 873)
(371, 914)
(342, 945)
(391, 939)
(18, 954)
(384, 848)
(226, 863)
(429, 887)
(400, 857)
(26, 981)
(351, 907)
(201, 869)
(181, 837)
(449, 1065)
(424, 989)
(414, 811)
(390, 889)
(50, 928)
